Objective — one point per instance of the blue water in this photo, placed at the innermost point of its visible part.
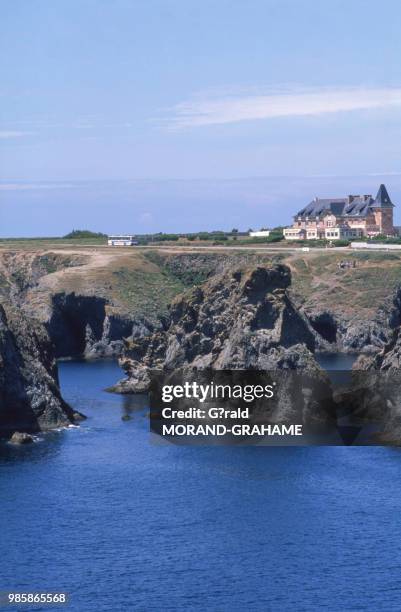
(125, 525)
(336, 361)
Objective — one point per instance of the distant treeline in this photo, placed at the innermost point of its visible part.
(214, 238)
(276, 235)
(77, 233)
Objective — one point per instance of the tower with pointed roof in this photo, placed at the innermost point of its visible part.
(382, 209)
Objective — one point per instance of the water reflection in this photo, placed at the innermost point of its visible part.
(132, 404)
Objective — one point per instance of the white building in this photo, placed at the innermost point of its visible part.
(342, 232)
(121, 240)
(337, 232)
(291, 233)
(260, 234)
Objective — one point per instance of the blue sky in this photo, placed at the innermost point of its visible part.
(180, 115)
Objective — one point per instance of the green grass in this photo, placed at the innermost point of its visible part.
(376, 257)
(146, 293)
(187, 276)
(318, 281)
(22, 243)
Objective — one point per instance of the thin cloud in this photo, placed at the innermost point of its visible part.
(33, 186)
(312, 102)
(5, 134)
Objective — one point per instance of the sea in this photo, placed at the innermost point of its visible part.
(122, 524)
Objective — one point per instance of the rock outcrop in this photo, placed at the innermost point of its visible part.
(378, 380)
(389, 358)
(19, 437)
(370, 337)
(351, 335)
(386, 357)
(30, 398)
(90, 300)
(241, 319)
(81, 317)
(88, 326)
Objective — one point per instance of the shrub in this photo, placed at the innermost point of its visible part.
(166, 237)
(341, 243)
(84, 234)
(275, 237)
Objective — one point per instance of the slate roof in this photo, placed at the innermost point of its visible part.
(383, 200)
(351, 206)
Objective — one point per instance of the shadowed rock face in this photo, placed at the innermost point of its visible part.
(30, 398)
(389, 357)
(81, 318)
(353, 333)
(378, 381)
(82, 325)
(240, 319)
(325, 325)
(75, 321)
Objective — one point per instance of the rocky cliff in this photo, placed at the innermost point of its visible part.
(74, 295)
(90, 299)
(30, 398)
(241, 319)
(376, 380)
(386, 357)
(89, 326)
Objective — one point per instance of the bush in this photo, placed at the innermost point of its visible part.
(341, 243)
(393, 241)
(166, 237)
(84, 234)
(379, 238)
(275, 237)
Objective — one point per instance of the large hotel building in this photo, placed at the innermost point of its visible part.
(344, 218)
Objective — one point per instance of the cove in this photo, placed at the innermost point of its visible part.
(122, 524)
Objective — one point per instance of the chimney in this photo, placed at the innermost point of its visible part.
(351, 198)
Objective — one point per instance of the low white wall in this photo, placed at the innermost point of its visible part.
(371, 245)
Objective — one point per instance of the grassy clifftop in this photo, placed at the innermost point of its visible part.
(143, 282)
(331, 281)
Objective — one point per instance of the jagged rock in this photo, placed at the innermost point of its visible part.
(115, 328)
(19, 437)
(87, 326)
(364, 336)
(241, 319)
(350, 335)
(388, 358)
(353, 334)
(381, 375)
(84, 317)
(373, 336)
(326, 325)
(374, 397)
(30, 398)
